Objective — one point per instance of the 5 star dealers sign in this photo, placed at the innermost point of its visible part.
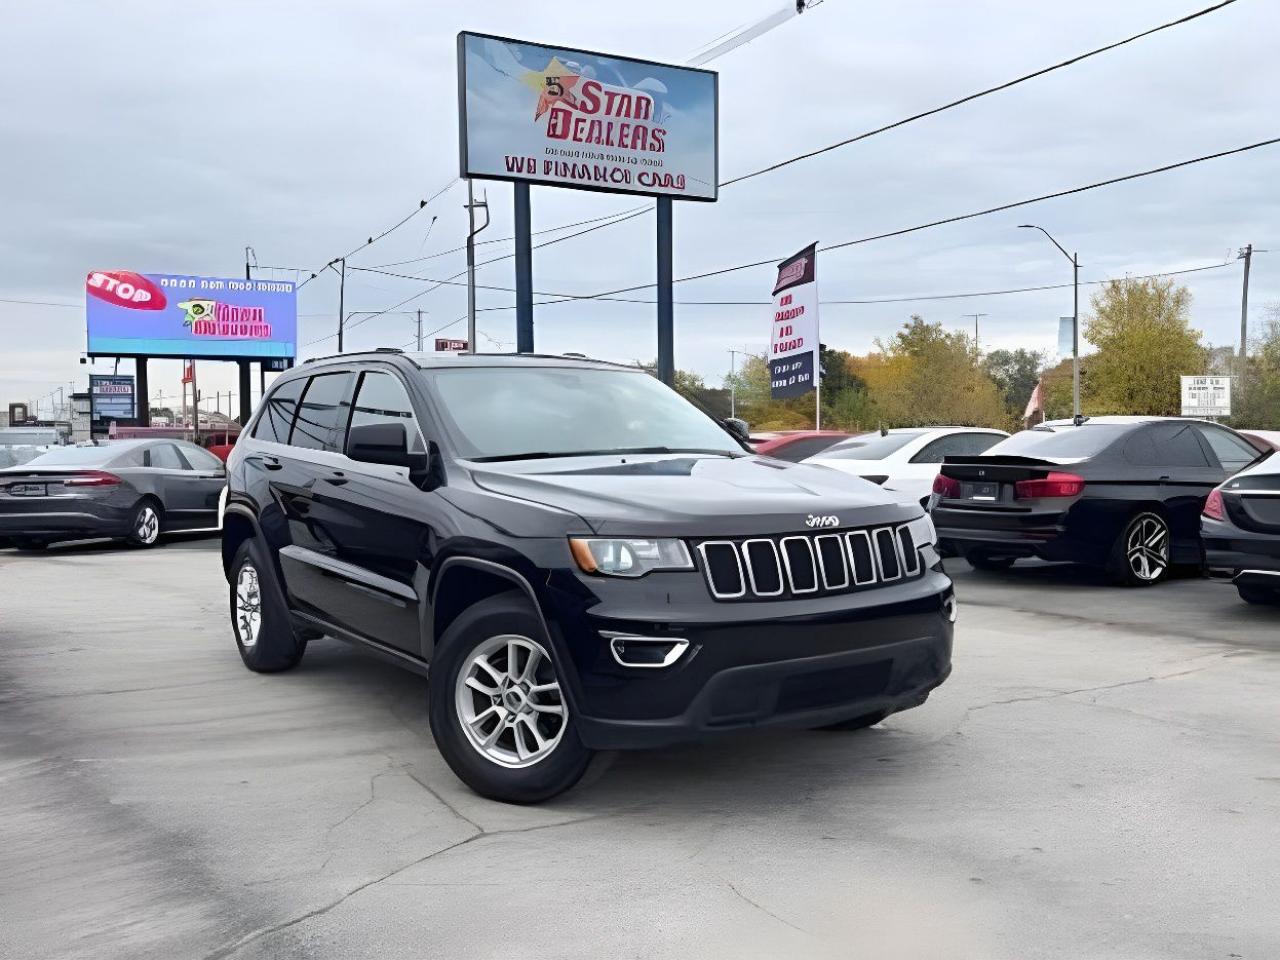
(793, 339)
(574, 118)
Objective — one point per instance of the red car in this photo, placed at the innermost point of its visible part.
(796, 445)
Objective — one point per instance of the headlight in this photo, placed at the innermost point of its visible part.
(922, 531)
(618, 557)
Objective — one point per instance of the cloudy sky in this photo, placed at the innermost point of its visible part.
(165, 137)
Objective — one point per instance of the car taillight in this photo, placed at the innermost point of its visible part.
(94, 478)
(1213, 506)
(1054, 485)
(945, 486)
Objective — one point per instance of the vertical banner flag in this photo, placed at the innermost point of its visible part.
(1066, 337)
(793, 343)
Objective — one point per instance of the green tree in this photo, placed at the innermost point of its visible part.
(926, 375)
(1016, 373)
(1255, 393)
(1145, 343)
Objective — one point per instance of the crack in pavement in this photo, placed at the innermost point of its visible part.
(768, 912)
(480, 834)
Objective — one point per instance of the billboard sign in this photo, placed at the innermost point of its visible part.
(1206, 396)
(793, 341)
(110, 398)
(573, 118)
(168, 315)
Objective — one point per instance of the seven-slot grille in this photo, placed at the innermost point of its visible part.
(808, 564)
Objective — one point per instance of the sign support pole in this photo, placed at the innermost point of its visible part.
(666, 311)
(141, 393)
(246, 407)
(524, 269)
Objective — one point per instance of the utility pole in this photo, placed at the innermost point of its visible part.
(249, 252)
(1245, 254)
(1075, 318)
(471, 259)
(342, 289)
(419, 331)
(975, 325)
(733, 386)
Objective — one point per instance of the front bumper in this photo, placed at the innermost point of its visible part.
(794, 663)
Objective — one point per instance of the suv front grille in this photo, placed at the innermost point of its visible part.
(764, 568)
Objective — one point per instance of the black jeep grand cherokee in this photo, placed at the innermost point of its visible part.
(584, 560)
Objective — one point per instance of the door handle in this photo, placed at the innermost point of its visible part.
(1164, 478)
(271, 463)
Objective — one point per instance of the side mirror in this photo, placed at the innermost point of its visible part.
(387, 444)
(739, 428)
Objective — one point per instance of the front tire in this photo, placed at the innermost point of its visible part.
(259, 620)
(144, 527)
(981, 561)
(497, 708)
(1258, 595)
(1140, 555)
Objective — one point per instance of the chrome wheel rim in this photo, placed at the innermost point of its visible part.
(509, 703)
(1148, 547)
(248, 605)
(148, 526)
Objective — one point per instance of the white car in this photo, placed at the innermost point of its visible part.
(906, 460)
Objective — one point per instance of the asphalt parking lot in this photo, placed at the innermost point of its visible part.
(1100, 778)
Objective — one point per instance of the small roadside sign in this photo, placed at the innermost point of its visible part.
(1206, 396)
(445, 346)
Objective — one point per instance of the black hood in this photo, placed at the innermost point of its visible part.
(691, 495)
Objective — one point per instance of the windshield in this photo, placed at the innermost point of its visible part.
(508, 413)
(1082, 441)
(870, 446)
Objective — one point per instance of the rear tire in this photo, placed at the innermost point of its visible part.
(144, 527)
(856, 723)
(497, 709)
(259, 619)
(980, 561)
(1140, 555)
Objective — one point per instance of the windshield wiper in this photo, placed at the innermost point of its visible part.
(616, 451)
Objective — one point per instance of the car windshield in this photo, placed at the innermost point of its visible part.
(512, 413)
(870, 446)
(1065, 442)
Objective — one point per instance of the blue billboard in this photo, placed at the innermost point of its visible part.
(168, 315)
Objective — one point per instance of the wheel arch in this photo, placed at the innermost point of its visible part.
(471, 580)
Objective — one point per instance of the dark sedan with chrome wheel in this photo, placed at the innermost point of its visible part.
(1240, 528)
(1119, 493)
(133, 490)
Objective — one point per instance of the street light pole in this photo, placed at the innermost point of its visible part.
(1075, 317)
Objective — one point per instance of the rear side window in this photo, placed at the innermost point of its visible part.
(1176, 446)
(322, 414)
(381, 398)
(1232, 452)
(200, 458)
(277, 418)
(166, 457)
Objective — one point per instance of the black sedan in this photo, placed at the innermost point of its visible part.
(130, 489)
(1120, 493)
(1240, 528)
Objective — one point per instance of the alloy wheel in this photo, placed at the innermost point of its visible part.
(147, 528)
(508, 701)
(1147, 547)
(248, 605)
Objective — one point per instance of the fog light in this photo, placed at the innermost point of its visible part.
(651, 653)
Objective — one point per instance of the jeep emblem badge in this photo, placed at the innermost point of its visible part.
(827, 521)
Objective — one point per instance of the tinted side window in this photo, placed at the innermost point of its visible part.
(166, 457)
(1232, 452)
(277, 418)
(322, 413)
(1176, 446)
(201, 459)
(381, 398)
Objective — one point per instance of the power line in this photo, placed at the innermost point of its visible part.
(947, 220)
(878, 130)
(981, 93)
(422, 204)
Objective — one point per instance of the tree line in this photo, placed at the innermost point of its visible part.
(1142, 344)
